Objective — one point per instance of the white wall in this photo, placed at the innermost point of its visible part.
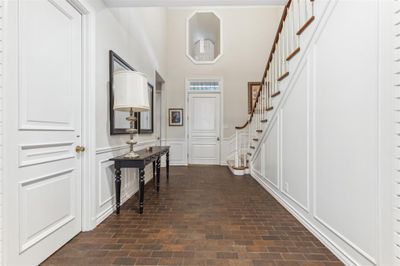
(137, 41)
(247, 35)
(138, 35)
(247, 38)
(1, 131)
(320, 152)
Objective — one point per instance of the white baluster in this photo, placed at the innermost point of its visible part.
(305, 12)
(287, 35)
(295, 24)
(237, 151)
(299, 15)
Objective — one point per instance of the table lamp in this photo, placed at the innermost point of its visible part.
(130, 95)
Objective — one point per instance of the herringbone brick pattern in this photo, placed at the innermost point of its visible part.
(202, 216)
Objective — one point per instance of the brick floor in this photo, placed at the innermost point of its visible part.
(203, 216)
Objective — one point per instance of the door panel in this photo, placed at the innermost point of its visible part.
(43, 126)
(204, 131)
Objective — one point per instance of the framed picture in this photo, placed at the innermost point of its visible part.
(176, 117)
(253, 88)
(146, 119)
(118, 122)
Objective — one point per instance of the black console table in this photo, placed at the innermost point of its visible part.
(145, 157)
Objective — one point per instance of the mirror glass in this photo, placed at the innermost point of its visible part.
(204, 37)
(146, 118)
(118, 122)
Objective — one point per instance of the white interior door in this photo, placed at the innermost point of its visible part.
(204, 128)
(42, 128)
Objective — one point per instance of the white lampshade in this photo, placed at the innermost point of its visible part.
(130, 91)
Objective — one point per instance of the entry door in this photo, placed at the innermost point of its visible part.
(204, 129)
(42, 128)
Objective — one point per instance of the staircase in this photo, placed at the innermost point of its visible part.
(297, 16)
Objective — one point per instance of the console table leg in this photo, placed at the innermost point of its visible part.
(141, 190)
(158, 163)
(167, 162)
(118, 187)
(154, 173)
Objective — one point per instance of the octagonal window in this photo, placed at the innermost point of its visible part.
(204, 45)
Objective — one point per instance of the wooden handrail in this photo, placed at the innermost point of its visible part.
(271, 54)
(245, 125)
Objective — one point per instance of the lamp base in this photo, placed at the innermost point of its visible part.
(131, 155)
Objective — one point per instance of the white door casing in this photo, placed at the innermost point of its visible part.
(43, 116)
(204, 128)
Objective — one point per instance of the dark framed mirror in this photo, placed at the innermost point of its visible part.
(118, 122)
(146, 119)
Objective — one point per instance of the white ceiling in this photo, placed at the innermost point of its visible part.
(183, 3)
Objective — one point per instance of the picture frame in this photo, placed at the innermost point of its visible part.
(146, 119)
(253, 89)
(118, 122)
(175, 117)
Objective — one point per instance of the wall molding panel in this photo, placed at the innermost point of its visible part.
(315, 181)
(228, 149)
(304, 220)
(1, 130)
(178, 151)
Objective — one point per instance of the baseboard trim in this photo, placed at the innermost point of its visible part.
(124, 198)
(337, 251)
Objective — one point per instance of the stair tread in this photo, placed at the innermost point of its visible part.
(285, 75)
(275, 94)
(264, 121)
(258, 130)
(292, 54)
(255, 139)
(305, 26)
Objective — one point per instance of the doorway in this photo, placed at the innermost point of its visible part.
(159, 115)
(204, 119)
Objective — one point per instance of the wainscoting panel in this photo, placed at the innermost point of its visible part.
(294, 118)
(178, 154)
(1, 130)
(178, 151)
(346, 127)
(228, 149)
(271, 155)
(327, 136)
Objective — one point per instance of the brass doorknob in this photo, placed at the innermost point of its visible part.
(79, 149)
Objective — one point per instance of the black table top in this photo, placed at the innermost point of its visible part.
(143, 154)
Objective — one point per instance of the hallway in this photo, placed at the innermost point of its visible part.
(203, 216)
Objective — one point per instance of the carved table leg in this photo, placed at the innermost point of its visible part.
(158, 163)
(118, 186)
(154, 173)
(167, 161)
(141, 190)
